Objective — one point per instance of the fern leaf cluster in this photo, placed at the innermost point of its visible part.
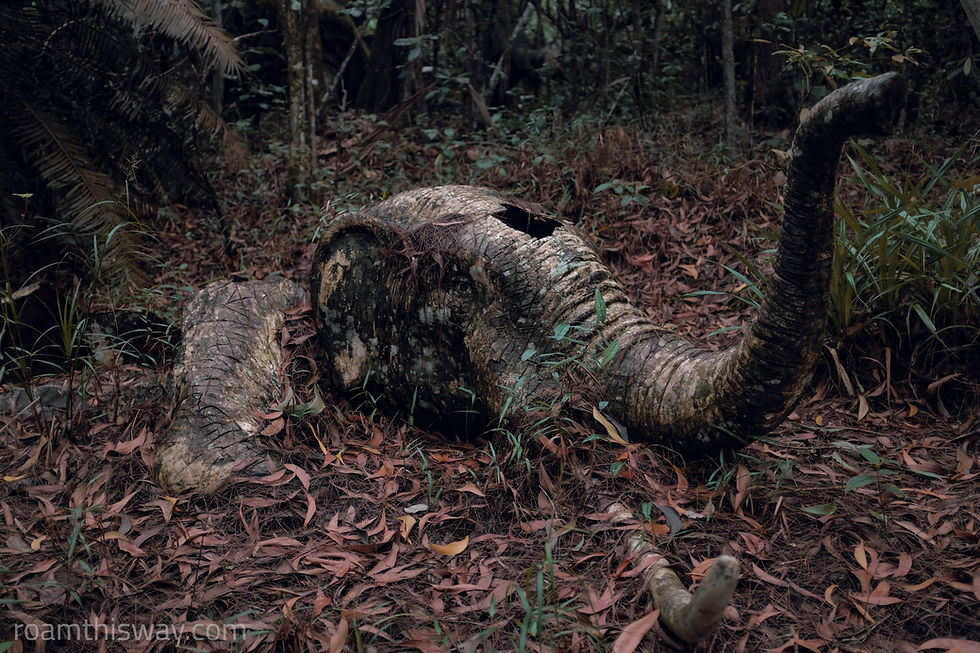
(89, 84)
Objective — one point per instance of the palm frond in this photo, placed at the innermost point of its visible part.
(196, 110)
(90, 84)
(11, 184)
(185, 22)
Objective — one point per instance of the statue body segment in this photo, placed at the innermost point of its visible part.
(445, 300)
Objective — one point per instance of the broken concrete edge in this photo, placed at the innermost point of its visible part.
(691, 617)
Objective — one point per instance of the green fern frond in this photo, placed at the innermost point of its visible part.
(185, 22)
(84, 195)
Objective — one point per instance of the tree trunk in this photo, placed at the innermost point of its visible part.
(416, 84)
(227, 366)
(217, 75)
(381, 88)
(728, 72)
(763, 66)
(457, 301)
(659, 27)
(304, 76)
(498, 69)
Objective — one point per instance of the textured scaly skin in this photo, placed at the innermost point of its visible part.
(433, 298)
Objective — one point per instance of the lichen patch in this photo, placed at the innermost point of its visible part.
(351, 362)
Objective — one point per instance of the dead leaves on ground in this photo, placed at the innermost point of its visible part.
(376, 538)
(374, 534)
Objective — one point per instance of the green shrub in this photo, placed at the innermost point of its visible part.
(907, 262)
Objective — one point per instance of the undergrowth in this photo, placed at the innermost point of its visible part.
(905, 273)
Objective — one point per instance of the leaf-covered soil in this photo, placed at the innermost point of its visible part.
(856, 522)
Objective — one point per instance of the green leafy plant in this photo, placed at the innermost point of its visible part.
(367, 398)
(882, 469)
(416, 448)
(541, 614)
(836, 66)
(908, 259)
(751, 288)
(628, 193)
(79, 554)
(859, 457)
(579, 353)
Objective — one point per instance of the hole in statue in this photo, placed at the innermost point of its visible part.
(533, 225)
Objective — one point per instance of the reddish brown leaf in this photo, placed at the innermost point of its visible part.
(400, 573)
(166, 506)
(768, 578)
(301, 474)
(127, 447)
(742, 481)
(795, 644)
(918, 586)
(878, 596)
(273, 427)
(860, 555)
(310, 510)
(470, 487)
(633, 634)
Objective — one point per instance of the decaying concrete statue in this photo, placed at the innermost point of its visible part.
(446, 300)
(449, 302)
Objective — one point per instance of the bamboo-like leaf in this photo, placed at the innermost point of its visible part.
(859, 481)
(822, 509)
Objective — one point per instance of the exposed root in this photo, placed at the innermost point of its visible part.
(689, 617)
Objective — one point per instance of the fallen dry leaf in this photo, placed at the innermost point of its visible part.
(273, 427)
(861, 556)
(407, 523)
(471, 487)
(452, 548)
(611, 428)
(950, 645)
(633, 634)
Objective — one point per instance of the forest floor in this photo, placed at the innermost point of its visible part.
(856, 522)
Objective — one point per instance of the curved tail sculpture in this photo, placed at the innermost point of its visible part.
(445, 299)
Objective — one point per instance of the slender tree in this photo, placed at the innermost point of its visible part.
(728, 71)
(304, 75)
(972, 9)
(381, 87)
